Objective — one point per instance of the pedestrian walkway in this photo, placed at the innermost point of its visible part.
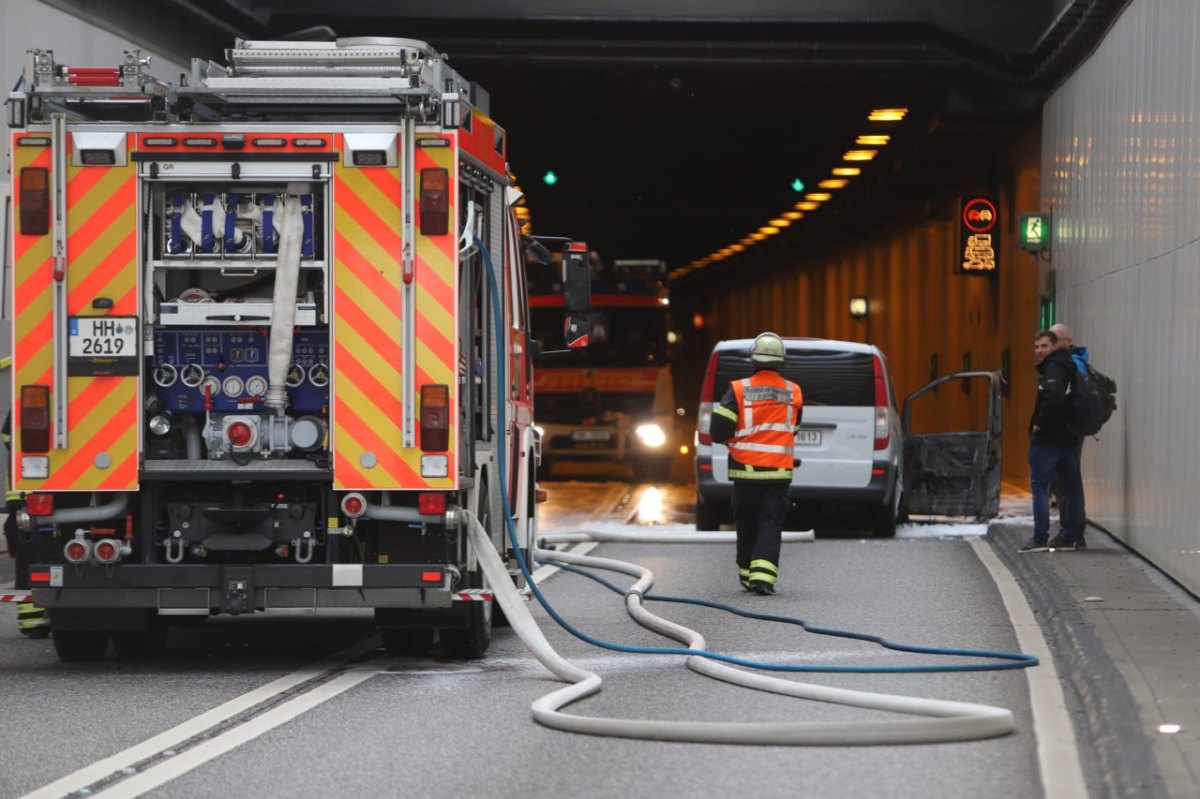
(1127, 644)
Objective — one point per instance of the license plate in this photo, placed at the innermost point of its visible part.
(808, 438)
(591, 435)
(102, 337)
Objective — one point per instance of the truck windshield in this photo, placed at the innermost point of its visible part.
(620, 336)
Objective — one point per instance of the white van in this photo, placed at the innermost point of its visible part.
(849, 441)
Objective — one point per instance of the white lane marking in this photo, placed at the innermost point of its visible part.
(200, 754)
(1057, 750)
(205, 721)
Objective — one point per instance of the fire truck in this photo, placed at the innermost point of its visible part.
(267, 323)
(613, 401)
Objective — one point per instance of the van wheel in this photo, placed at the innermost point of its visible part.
(883, 525)
(708, 515)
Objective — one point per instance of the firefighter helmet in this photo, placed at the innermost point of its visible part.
(768, 348)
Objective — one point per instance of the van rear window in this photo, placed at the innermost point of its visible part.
(825, 377)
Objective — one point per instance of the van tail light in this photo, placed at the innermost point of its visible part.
(883, 432)
(39, 504)
(35, 201)
(704, 419)
(35, 418)
(435, 418)
(435, 201)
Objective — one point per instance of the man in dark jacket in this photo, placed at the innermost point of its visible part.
(1053, 449)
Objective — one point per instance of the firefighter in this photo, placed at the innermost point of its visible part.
(31, 620)
(758, 417)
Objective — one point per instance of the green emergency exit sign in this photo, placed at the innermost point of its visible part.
(1034, 232)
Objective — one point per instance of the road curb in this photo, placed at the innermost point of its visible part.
(1113, 744)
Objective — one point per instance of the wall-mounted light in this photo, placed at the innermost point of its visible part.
(858, 307)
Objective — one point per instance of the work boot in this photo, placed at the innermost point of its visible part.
(32, 621)
(1033, 545)
(761, 588)
(744, 577)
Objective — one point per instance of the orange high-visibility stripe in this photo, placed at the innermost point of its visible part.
(92, 395)
(394, 469)
(113, 212)
(122, 420)
(113, 266)
(385, 400)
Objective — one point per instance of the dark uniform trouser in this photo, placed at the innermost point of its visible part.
(759, 509)
(30, 617)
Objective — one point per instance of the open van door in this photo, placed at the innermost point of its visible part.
(953, 474)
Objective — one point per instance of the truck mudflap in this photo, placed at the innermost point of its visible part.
(237, 589)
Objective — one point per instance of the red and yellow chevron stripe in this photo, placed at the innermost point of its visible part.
(102, 412)
(368, 331)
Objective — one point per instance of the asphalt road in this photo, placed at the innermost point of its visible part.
(368, 724)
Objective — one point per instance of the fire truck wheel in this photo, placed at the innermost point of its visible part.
(79, 645)
(470, 643)
(141, 644)
(414, 643)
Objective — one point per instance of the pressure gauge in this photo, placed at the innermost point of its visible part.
(191, 375)
(211, 387)
(256, 386)
(233, 386)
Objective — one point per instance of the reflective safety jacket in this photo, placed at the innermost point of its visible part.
(758, 418)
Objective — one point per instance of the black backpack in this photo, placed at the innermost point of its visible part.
(1092, 401)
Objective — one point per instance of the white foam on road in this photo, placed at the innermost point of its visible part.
(942, 530)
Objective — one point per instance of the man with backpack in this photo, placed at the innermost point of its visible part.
(1053, 448)
(1080, 356)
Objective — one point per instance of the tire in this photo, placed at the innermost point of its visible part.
(470, 643)
(145, 644)
(76, 646)
(883, 524)
(412, 642)
(708, 515)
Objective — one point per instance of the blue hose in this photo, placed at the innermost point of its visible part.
(1011, 660)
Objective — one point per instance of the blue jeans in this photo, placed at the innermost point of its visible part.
(1061, 461)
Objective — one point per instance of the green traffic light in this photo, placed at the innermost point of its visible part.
(550, 178)
(797, 185)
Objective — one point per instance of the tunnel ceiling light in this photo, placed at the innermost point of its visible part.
(758, 236)
(833, 183)
(874, 140)
(768, 230)
(859, 155)
(793, 215)
(818, 196)
(748, 241)
(781, 222)
(807, 206)
(887, 115)
(737, 247)
(847, 171)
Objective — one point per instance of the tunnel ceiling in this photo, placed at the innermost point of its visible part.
(674, 134)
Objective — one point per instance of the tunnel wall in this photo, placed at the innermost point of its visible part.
(919, 307)
(1121, 145)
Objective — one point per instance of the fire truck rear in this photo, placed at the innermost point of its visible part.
(257, 358)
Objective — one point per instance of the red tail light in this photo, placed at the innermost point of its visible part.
(354, 505)
(431, 577)
(35, 201)
(431, 504)
(77, 550)
(883, 431)
(704, 419)
(39, 504)
(435, 418)
(35, 418)
(435, 201)
(94, 76)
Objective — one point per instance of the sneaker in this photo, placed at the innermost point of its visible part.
(1032, 545)
(762, 589)
(1060, 544)
(1081, 542)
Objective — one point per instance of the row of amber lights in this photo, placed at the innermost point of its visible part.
(812, 201)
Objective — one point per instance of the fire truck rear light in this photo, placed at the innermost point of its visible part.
(435, 466)
(77, 550)
(431, 577)
(39, 504)
(160, 141)
(354, 505)
(435, 201)
(107, 550)
(435, 418)
(34, 141)
(35, 201)
(200, 141)
(269, 142)
(35, 467)
(97, 157)
(309, 142)
(370, 158)
(431, 504)
(35, 418)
